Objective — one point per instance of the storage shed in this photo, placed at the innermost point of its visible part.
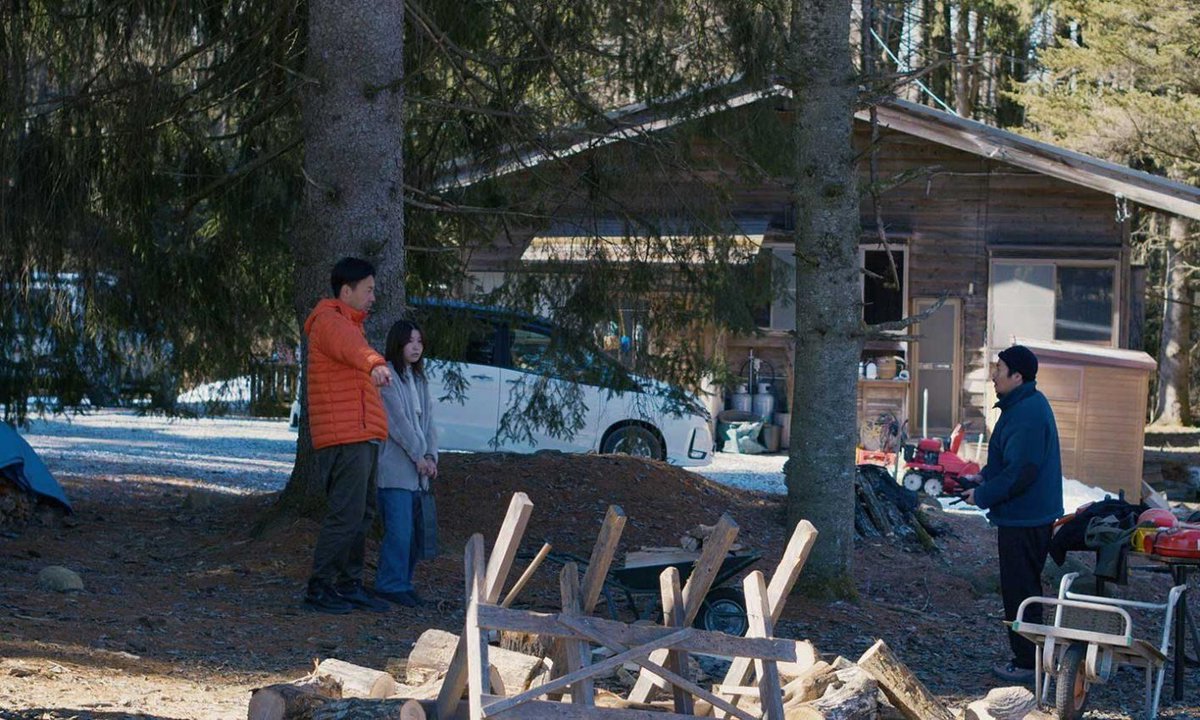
(1099, 400)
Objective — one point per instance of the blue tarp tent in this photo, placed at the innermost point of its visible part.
(21, 465)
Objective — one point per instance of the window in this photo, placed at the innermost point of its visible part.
(481, 346)
(460, 337)
(529, 350)
(883, 300)
(883, 297)
(1053, 300)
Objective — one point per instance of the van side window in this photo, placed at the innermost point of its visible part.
(529, 349)
(456, 338)
(481, 346)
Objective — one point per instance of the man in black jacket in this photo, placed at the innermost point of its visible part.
(1022, 491)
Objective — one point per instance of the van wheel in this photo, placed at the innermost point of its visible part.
(634, 440)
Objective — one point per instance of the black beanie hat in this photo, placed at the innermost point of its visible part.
(1020, 359)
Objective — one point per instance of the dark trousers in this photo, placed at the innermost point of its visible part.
(349, 472)
(1023, 553)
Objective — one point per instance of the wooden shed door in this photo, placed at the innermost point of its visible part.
(935, 368)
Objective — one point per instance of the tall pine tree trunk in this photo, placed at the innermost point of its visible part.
(353, 166)
(820, 466)
(1174, 369)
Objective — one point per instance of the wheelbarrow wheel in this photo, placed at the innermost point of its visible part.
(1071, 685)
(723, 610)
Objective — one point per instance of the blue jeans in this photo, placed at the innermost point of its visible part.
(396, 559)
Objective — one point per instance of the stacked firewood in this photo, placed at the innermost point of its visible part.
(883, 508)
(815, 687)
(16, 505)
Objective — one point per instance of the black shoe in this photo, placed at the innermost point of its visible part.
(404, 598)
(322, 598)
(358, 597)
(417, 599)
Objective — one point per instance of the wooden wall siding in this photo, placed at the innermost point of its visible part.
(1100, 423)
(950, 219)
(1063, 387)
(1113, 429)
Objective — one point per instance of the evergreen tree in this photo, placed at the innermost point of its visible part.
(135, 254)
(353, 105)
(828, 341)
(1122, 81)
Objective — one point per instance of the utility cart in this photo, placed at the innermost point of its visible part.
(1087, 638)
(724, 606)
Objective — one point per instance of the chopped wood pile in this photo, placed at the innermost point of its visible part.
(592, 668)
(884, 508)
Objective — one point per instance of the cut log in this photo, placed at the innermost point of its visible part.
(803, 712)
(853, 697)
(807, 656)
(906, 693)
(358, 681)
(871, 504)
(526, 643)
(431, 657)
(364, 709)
(428, 691)
(809, 686)
(288, 700)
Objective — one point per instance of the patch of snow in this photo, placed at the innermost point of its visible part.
(1075, 494)
(232, 392)
(234, 454)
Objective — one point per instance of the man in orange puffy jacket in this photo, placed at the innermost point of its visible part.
(348, 424)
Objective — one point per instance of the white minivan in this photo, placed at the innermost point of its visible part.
(512, 382)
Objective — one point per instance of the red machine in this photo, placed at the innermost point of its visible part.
(937, 470)
(1181, 541)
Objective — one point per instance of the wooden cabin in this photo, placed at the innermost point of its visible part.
(1021, 238)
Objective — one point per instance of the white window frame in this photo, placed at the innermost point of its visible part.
(1115, 265)
(783, 309)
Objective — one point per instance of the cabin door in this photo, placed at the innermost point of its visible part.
(935, 368)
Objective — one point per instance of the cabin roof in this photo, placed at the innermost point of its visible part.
(901, 116)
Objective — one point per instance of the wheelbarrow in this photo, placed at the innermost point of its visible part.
(723, 608)
(1088, 638)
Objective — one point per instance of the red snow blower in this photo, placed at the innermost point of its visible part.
(937, 470)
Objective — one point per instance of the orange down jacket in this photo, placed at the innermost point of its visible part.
(343, 404)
